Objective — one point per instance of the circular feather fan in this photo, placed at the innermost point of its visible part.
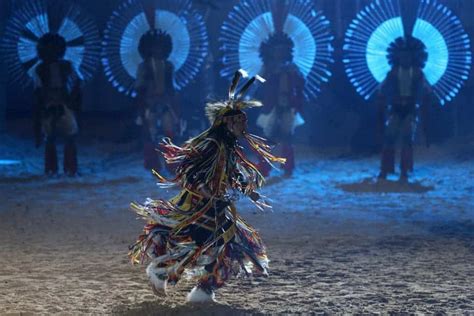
(53, 24)
(134, 21)
(371, 44)
(253, 26)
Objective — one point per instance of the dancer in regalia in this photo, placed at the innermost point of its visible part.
(199, 231)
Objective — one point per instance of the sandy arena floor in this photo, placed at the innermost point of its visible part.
(338, 242)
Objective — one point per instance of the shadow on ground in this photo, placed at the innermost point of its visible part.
(156, 308)
(370, 185)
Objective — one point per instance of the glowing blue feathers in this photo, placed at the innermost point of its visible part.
(252, 37)
(250, 23)
(437, 50)
(376, 51)
(127, 25)
(366, 43)
(165, 20)
(448, 46)
(305, 46)
(380, 23)
(32, 20)
(38, 25)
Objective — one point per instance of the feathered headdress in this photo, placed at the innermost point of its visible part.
(277, 41)
(215, 111)
(409, 44)
(155, 41)
(51, 47)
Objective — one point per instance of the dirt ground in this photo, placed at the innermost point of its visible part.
(338, 242)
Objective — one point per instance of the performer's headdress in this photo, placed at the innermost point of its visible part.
(410, 45)
(383, 27)
(51, 47)
(153, 42)
(253, 27)
(136, 26)
(236, 102)
(42, 30)
(279, 41)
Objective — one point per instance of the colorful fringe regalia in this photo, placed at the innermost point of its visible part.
(201, 234)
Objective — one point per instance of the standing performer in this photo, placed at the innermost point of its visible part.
(58, 100)
(199, 230)
(401, 95)
(394, 51)
(155, 93)
(290, 42)
(54, 45)
(283, 95)
(152, 50)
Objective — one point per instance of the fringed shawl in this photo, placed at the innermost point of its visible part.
(202, 159)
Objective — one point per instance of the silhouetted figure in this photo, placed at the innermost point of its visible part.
(400, 98)
(58, 101)
(282, 96)
(155, 93)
